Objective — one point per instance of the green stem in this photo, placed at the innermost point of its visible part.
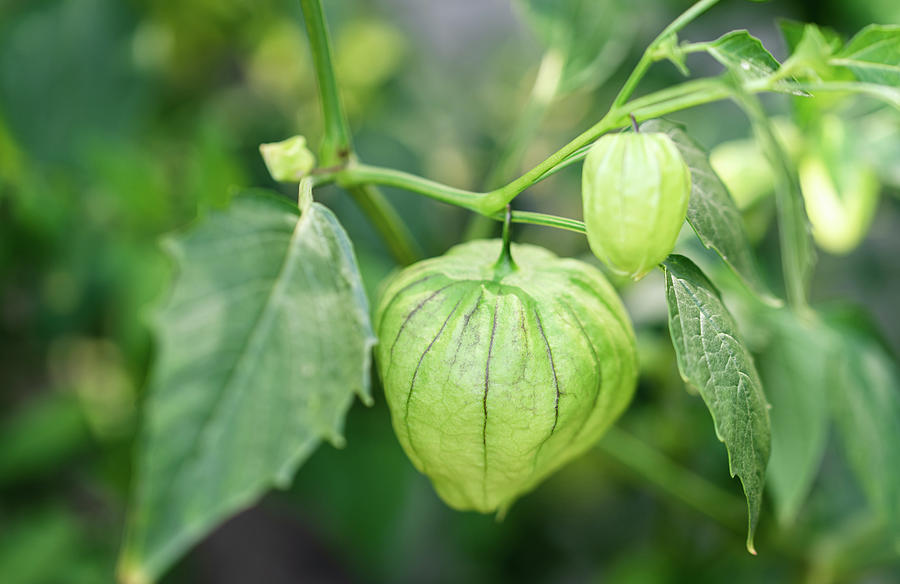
(357, 173)
(507, 193)
(873, 90)
(336, 146)
(859, 543)
(704, 90)
(797, 254)
(543, 92)
(337, 150)
(679, 97)
(682, 96)
(647, 58)
(505, 263)
(532, 218)
(674, 480)
(839, 554)
(576, 156)
(387, 222)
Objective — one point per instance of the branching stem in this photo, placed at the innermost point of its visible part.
(648, 57)
(336, 146)
(336, 150)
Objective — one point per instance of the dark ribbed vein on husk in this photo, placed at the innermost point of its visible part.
(596, 357)
(537, 316)
(396, 296)
(413, 313)
(462, 333)
(487, 381)
(415, 375)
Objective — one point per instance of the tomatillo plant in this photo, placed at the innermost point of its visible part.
(501, 362)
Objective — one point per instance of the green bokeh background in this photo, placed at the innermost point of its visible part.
(121, 120)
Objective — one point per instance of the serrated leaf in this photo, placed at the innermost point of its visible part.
(712, 212)
(591, 36)
(744, 55)
(751, 64)
(795, 370)
(714, 361)
(873, 55)
(865, 400)
(261, 346)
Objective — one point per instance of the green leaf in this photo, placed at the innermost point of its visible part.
(873, 55)
(868, 65)
(865, 399)
(592, 37)
(796, 372)
(714, 361)
(744, 55)
(260, 348)
(712, 212)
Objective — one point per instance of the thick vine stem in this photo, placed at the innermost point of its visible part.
(797, 254)
(336, 150)
(547, 84)
(387, 222)
(336, 145)
(679, 97)
(358, 173)
(543, 93)
(647, 57)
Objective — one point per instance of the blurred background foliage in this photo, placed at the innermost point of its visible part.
(122, 120)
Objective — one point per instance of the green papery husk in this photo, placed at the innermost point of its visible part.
(496, 378)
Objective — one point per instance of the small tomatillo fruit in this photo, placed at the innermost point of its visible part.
(497, 373)
(635, 191)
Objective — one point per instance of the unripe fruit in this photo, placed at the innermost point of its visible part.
(840, 186)
(840, 201)
(498, 374)
(635, 190)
